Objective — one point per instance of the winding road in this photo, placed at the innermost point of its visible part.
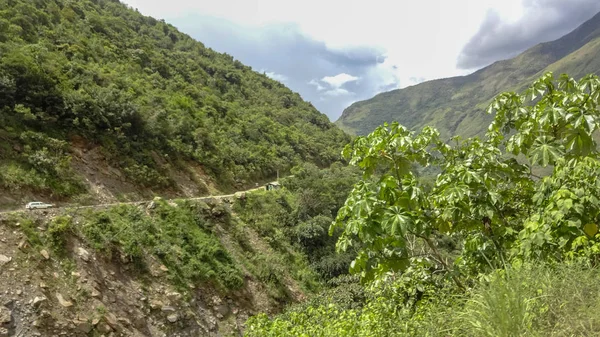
(142, 202)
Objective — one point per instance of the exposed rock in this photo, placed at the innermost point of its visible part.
(124, 259)
(174, 296)
(167, 309)
(124, 321)
(172, 318)
(62, 301)
(4, 260)
(38, 301)
(5, 315)
(3, 332)
(111, 319)
(216, 300)
(96, 293)
(83, 326)
(155, 304)
(83, 254)
(45, 254)
(139, 321)
(222, 309)
(103, 328)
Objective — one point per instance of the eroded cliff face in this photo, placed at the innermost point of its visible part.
(69, 273)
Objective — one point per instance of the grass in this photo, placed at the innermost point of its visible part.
(530, 300)
(535, 301)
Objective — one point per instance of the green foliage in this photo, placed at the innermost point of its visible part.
(300, 214)
(42, 165)
(559, 125)
(58, 231)
(150, 96)
(31, 231)
(179, 236)
(530, 300)
(486, 211)
(484, 198)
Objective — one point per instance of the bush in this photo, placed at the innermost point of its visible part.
(530, 300)
(177, 235)
(58, 230)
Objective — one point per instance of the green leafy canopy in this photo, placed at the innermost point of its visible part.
(484, 196)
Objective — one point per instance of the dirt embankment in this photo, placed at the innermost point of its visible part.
(79, 292)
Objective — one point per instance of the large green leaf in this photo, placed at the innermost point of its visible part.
(545, 151)
(397, 221)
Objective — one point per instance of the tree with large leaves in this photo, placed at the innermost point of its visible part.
(484, 196)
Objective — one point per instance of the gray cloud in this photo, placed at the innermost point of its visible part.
(543, 20)
(301, 63)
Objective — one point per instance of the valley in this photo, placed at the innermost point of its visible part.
(455, 106)
(463, 206)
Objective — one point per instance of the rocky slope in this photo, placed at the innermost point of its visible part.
(60, 277)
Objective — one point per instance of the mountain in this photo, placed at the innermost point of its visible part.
(456, 105)
(101, 103)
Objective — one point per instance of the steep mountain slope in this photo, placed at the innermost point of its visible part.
(164, 269)
(456, 105)
(100, 102)
(183, 267)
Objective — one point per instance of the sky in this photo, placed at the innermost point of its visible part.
(336, 52)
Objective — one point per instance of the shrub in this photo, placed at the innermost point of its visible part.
(58, 230)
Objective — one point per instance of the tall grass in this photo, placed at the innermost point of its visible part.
(530, 300)
(535, 300)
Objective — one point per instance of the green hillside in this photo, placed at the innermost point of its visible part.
(456, 105)
(99, 101)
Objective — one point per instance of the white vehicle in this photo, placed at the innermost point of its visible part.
(37, 205)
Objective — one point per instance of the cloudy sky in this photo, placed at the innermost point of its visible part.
(336, 52)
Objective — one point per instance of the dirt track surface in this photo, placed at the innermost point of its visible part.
(142, 202)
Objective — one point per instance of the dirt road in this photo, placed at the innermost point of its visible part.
(225, 196)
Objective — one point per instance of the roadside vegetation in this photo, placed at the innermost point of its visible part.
(278, 238)
(488, 249)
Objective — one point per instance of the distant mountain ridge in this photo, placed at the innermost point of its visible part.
(456, 105)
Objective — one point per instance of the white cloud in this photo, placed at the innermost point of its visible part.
(316, 84)
(419, 40)
(339, 80)
(276, 77)
(423, 38)
(338, 92)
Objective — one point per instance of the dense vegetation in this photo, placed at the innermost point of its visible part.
(182, 237)
(452, 105)
(297, 217)
(277, 238)
(490, 249)
(98, 74)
